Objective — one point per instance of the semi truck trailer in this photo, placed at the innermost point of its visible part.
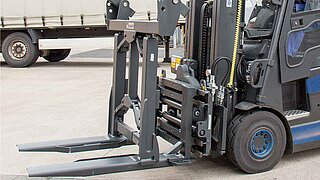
(26, 26)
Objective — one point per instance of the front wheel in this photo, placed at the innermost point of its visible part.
(57, 55)
(256, 141)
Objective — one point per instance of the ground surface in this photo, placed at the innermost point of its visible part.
(52, 101)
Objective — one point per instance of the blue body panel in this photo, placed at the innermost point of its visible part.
(306, 133)
(313, 85)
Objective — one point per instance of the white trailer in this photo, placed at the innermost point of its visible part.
(25, 24)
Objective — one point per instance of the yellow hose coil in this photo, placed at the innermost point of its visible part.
(236, 45)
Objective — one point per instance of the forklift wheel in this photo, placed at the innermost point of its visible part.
(256, 141)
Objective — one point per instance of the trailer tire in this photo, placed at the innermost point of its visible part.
(18, 50)
(57, 55)
(256, 141)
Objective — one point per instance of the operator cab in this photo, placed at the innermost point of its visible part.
(260, 18)
(299, 48)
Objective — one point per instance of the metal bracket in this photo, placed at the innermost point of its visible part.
(168, 15)
(126, 104)
(129, 35)
(186, 74)
(119, 9)
(125, 12)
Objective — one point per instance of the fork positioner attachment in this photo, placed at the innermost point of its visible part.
(175, 110)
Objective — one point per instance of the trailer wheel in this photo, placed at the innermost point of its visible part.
(19, 51)
(57, 55)
(256, 141)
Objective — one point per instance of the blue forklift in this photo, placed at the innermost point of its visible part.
(247, 87)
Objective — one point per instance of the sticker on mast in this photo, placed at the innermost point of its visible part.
(229, 3)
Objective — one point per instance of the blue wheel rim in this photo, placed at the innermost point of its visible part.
(261, 144)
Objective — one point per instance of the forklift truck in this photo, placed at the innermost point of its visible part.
(250, 91)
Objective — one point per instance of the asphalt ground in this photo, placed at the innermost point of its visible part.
(53, 101)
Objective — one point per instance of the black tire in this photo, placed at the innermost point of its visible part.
(19, 51)
(231, 128)
(57, 55)
(256, 141)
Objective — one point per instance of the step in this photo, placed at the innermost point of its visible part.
(296, 114)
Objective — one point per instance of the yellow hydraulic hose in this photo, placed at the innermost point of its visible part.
(236, 45)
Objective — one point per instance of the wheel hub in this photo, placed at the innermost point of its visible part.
(261, 144)
(18, 50)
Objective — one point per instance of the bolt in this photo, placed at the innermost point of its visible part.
(108, 4)
(175, 1)
(110, 10)
(202, 133)
(125, 4)
(197, 113)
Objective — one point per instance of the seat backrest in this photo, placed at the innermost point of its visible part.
(264, 19)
